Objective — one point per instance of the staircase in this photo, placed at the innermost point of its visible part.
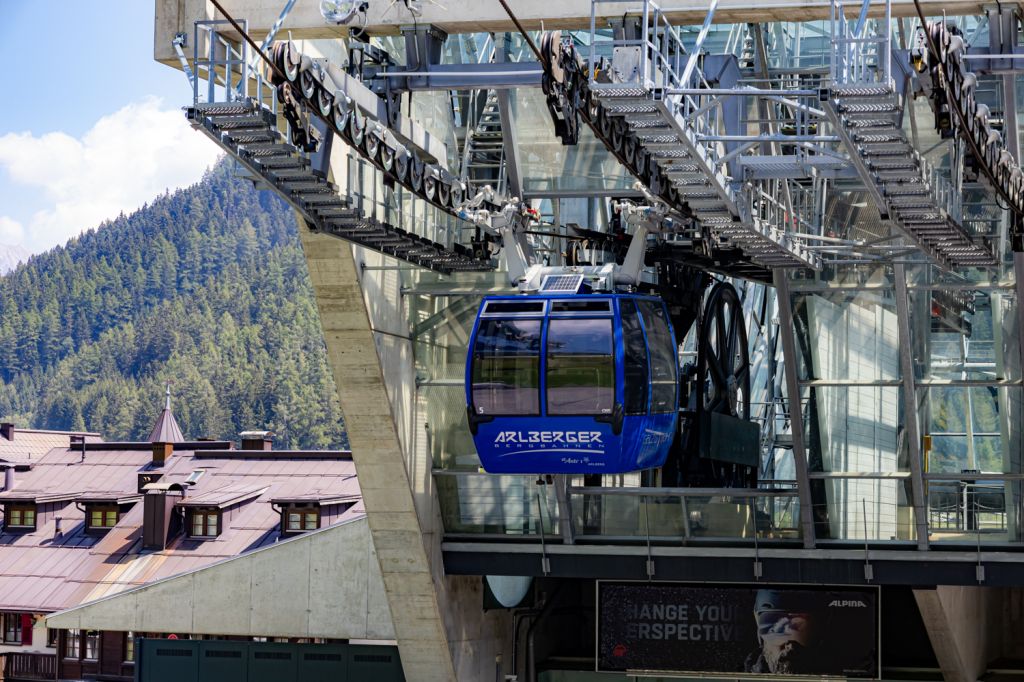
(918, 199)
(248, 132)
(485, 155)
(865, 108)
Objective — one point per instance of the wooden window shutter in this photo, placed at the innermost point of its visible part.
(27, 622)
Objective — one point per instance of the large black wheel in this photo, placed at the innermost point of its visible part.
(723, 364)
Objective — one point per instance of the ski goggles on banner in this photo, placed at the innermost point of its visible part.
(782, 622)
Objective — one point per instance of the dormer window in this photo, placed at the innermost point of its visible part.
(205, 522)
(101, 517)
(301, 518)
(20, 517)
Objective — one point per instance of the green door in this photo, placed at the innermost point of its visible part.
(323, 663)
(223, 661)
(167, 660)
(273, 662)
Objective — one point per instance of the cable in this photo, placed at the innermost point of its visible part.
(529, 40)
(252, 43)
(960, 115)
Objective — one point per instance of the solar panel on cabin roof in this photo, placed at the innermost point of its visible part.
(562, 283)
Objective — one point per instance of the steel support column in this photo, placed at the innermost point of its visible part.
(1018, 272)
(796, 417)
(911, 417)
(508, 131)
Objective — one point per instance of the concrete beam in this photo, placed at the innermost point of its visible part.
(957, 619)
(386, 17)
(377, 451)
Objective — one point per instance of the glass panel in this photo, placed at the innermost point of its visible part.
(311, 520)
(664, 358)
(948, 454)
(863, 508)
(15, 517)
(30, 518)
(505, 505)
(675, 516)
(198, 527)
(96, 519)
(71, 644)
(635, 359)
(111, 519)
(506, 371)
(129, 646)
(581, 367)
(211, 523)
(294, 521)
(972, 511)
(92, 640)
(847, 335)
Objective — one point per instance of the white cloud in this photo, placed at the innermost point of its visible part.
(125, 160)
(11, 231)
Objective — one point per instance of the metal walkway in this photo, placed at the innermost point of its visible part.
(865, 108)
(248, 132)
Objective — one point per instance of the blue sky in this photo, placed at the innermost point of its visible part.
(93, 125)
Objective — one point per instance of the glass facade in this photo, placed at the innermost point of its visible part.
(908, 377)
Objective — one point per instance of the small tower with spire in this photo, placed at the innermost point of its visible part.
(166, 429)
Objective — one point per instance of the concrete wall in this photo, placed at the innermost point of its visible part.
(322, 584)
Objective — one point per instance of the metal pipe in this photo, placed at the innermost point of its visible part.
(463, 74)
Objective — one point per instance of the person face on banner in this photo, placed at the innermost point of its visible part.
(788, 633)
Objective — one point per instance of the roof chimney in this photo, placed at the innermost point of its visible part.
(257, 440)
(7, 430)
(157, 514)
(161, 451)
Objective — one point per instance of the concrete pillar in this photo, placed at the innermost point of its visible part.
(387, 494)
(442, 631)
(966, 627)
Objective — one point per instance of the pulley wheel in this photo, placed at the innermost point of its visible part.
(307, 84)
(552, 53)
(618, 134)
(416, 174)
(629, 150)
(387, 158)
(444, 193)
(372, 145)
(356, 127)
(456, 196)
(340, 115)
(430, 188)
(324, 102)
(723, 363)
(402, 167)
(605, 123)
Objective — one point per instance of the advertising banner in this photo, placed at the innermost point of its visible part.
(737, 629)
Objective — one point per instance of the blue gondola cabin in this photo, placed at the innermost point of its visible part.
(572, 384)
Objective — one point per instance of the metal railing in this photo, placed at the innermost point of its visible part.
(232, 73)
(859, 57)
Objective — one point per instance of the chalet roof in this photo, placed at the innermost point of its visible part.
(41, 571)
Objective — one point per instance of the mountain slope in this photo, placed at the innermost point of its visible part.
(206, 288)
(10, 256)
